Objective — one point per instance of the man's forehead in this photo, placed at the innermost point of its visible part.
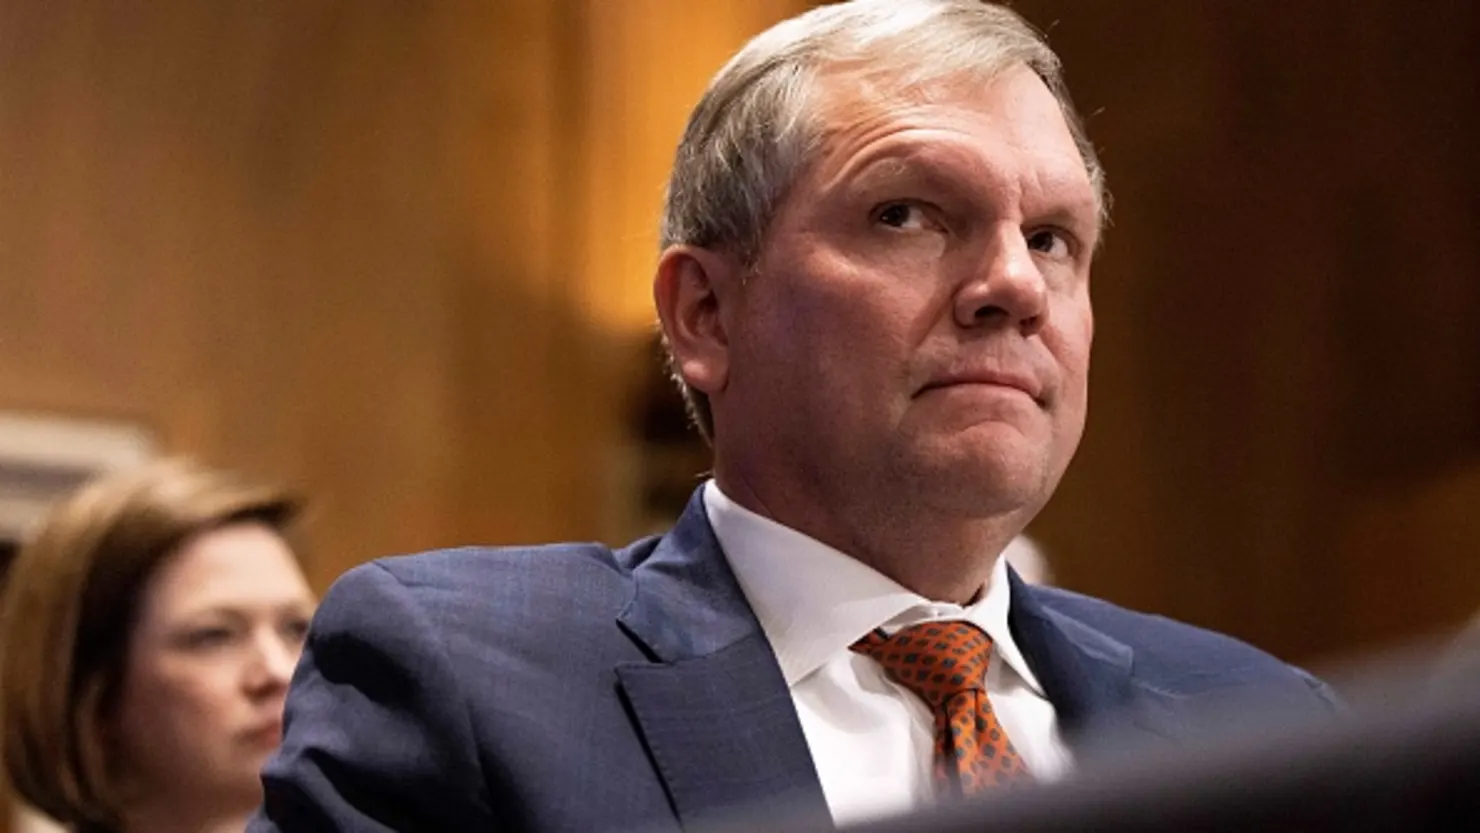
(1014, 107)
(1010, 108)
(1014, 100)
(856, 82)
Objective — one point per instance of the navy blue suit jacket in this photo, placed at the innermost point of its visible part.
(576, 688)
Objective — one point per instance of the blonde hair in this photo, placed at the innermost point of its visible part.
(68, 609)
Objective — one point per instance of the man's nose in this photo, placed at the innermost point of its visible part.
(1006, 288)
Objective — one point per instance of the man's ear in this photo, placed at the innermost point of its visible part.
(688, 289)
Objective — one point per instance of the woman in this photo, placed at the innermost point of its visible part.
(147, 636)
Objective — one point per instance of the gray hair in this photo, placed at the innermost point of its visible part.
(751, 133)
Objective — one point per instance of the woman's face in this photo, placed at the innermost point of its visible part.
(220, 628)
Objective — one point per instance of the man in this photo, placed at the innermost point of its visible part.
(875, 291)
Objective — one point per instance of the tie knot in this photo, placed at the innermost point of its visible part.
(936, 660)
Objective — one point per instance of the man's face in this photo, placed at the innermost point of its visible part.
(918, 326)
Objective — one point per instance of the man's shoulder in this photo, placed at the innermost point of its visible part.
(1183, 657)
(465, 567)
(490, 585)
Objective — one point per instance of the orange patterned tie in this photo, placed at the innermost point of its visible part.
(945, 663)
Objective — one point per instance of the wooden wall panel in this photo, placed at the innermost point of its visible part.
(1287, 309)
(1409, 556)
(396, 253)
(319, 241)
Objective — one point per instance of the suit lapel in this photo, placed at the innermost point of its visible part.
(1087, 676)
(712, 705)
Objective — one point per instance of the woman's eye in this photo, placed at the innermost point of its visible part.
(902, 215)
(1050, 242)
(207, 638)
(296, 630)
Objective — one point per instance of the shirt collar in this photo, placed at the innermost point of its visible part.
(813, 601)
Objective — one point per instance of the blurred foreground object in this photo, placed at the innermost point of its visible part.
(1412, 769)
(1409, 760)
(1459, 665)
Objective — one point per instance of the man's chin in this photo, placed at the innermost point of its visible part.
(986, 484)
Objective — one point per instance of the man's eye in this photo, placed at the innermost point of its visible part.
(901, 215)
(1050, 242)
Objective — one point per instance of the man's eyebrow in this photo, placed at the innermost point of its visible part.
(903, 162)
(1061, 187)
(1067, 199)
(888, 164)
(1080, 220)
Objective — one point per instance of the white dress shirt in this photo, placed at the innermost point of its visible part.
(872, 740)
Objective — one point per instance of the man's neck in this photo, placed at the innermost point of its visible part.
(942, 559)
